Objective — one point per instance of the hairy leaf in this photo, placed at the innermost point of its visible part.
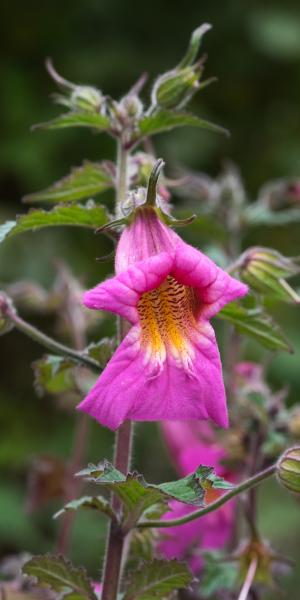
(58, 573)
(102, 351)
(164, 120)
(256, 324)
(158, 579)
(77, 119)
(83, 182)
(92, 502)
(137, 495)
(57, 375)
(91, 216)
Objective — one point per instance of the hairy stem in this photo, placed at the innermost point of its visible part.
(115, 543)
(238, 489)
(51, 344)
(249, 580)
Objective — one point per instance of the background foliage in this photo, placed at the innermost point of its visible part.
(254, 50)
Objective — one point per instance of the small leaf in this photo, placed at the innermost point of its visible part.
(77, 119)
(83, 182)
(256, 324)
(164, 120)
(54, 374)
(101, 351)
(93, 502)
(137, 495)
(91, 216)
(158, 579)
(58, 573)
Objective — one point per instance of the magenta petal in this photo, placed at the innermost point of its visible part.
(214, 287)
(133, 386)
(121, 294)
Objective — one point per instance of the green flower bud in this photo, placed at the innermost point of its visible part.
(288, 469)
(265, 271)
(175, 88)
(86, 98)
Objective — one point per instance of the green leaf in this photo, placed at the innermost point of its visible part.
(77, 119)
(137, 495)
(102, 351)
(57, 375)
(259, 214)
(158, 579)
(60, 575)
(83, 182)
(256, 324)
(164, 120)
(217, 575)
(92, 502)
(91, 216)
(54, 374)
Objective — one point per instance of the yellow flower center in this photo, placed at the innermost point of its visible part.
(167, 316)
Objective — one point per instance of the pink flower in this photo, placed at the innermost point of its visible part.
(168, 366)
(191, 444)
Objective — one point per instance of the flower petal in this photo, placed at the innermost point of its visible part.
(214, 287)
(134, 386)
(121, 294)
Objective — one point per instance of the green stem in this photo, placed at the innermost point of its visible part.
(114, 557)
(51, 344)
(238, 489)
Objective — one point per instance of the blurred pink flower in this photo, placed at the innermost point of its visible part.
(168, 366)
(191, 444)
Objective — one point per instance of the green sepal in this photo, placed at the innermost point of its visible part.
(60, 575)
(194, 45)
(83, 182)
(157, 579)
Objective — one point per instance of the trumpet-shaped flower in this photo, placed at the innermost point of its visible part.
(191, 444)
(168, 366)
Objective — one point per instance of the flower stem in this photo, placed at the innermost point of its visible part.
(249, 580)
(50, 343)
(114, 557)
(238, 489)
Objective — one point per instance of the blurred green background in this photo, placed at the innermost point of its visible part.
(254, 50)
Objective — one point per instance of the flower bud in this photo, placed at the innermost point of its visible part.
(265, 270)
(6, 307)
(175, 88)
(86, 98)
(288, 469)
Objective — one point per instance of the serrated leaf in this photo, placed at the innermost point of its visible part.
(77, 119)
(164, 120)
(91, 216)
(259, 214)
(256, 324)
(157, 580)
(92, 502)
(58, 573)
(83, 182)
(137, 495)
